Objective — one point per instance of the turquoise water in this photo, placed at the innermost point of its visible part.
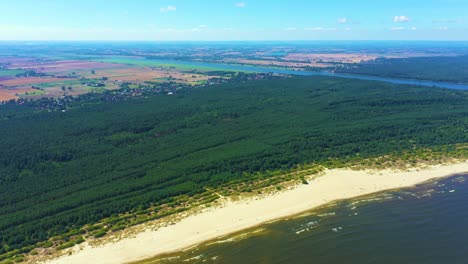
(424, 224)
(247, 68)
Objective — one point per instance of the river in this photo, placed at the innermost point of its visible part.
(260, 69)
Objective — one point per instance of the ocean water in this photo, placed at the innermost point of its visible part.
(423, 224)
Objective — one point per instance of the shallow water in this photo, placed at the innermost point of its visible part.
(424, 224)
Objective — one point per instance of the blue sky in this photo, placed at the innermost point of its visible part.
(234, 20)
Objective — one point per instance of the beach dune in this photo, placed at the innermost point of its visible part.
(235, 216)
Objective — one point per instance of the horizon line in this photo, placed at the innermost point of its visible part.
(297, 40)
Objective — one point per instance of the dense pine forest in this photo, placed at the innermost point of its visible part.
(61, 170)
(437, 68)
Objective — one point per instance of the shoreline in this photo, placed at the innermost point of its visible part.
(235, 216)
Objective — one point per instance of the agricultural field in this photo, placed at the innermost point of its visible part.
(11, 94)
(299, 61)
(9, 72)
(35, 77)
(57, 69)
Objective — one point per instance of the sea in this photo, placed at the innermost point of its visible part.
(427, 223)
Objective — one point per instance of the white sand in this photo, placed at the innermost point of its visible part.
(236, 216)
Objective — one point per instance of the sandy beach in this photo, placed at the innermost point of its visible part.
(235, 216)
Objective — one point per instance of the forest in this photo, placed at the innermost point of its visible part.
(437, 68)
(61, 170)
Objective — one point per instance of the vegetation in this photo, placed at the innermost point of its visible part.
(33, 93)
(444, 69)
(30, 73)
(94, 167)
(9, 72)
(187, 66)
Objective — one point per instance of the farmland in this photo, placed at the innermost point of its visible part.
(56, 69)
(8, 72)
(11, 94)
(20, 77)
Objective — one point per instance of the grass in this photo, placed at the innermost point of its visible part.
(8, 72)
(185, 66)
(202, 82)
(33, 93)
(163, 79)
(58, 84)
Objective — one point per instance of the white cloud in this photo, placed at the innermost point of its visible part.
(441, 28)
(199, 28)
(342, 20)
(400, 19)
(403, 28)
(290, 29)
(446, 21)
(240, 4)
(320, 29)
(167, 9)
(168, 30)
(348, 29)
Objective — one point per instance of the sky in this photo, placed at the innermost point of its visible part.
(225, 20)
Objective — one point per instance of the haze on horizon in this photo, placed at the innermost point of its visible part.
(234, 20)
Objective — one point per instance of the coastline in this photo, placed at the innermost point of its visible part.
(234, 216)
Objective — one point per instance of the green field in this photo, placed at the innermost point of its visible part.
(100, 159)
(58, 84)
(183, 66)
(8, 72)
(33, 93)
